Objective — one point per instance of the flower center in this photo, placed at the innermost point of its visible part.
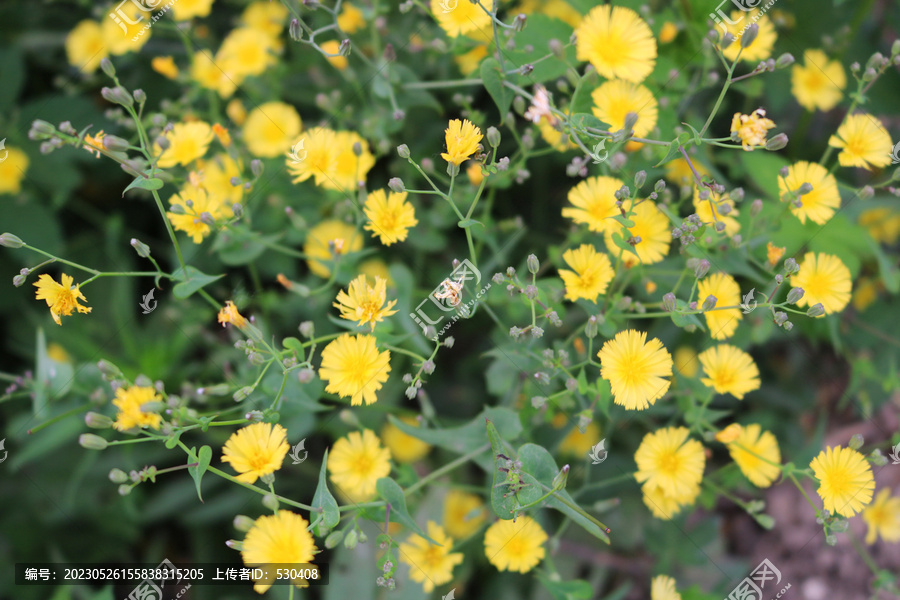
(669, 464)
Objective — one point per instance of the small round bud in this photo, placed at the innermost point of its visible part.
(590, 329)
(816, 310)
(493, 137)
(118, 476)
(96, 420)
(533, 264)
(270, 502)
(856, 441)
(92, 442)
(709, 303)
(756, 207)
(669, 302)
(142, 249)
(702, 269)
(140, 96)
(794, 295)
(107, 67)
(403, 151)
(8, 240)
(750, 35)
(396, 185)
(777, 143)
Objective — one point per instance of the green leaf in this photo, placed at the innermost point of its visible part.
(492, 76)
(537, 462)
(197, 472)
(144, 184)
(172, 440)
(194, 281)
(674, 148)
(627, 223)
(468, 437)
(582, 382)
(620, 242)
(889, 274)
(682, 320)
(392, 493)
(503, 506)
(292, 343)
(584, 120)
(469, 222)
(323, 502)
(576, 589)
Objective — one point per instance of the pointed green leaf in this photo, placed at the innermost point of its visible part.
(197, 472)
(492, 76)
(144, 184)
(469, 222)
(292, 343)
(194, 281)
(392, 493)
(323, 502)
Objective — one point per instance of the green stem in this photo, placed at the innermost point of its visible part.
(58, 418)
(445, 469)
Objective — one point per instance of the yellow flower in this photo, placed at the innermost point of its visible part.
(721, 323)
(364, 303)
(461, 137)
(473, 172)
(751, 129)
(85, 47)
(662, 587)
(351, 19)
(191, 218)
(244, 52)
(187, 143)
(468, 62)
(818, 206)
(230, 314)
(654, 229)
(320, 161)
(845, 480)
(375, 267)
(328, 240)
(554, 137)
(818, 83)
(710, 210)
(729, 370)
(883, 224)
(825, 280)
(57, 353)
(774, 253)
(352, 366)
(165, 66)
(754, 451)
(578, 444)
(594, 203)
(270, 128)
(557, 9)
(279, 539)
(334, 47)
(236, 112)
(119, 41)
(267, 17)
(216, 180)
(515, 545)
(464, 513)
(761, 48)
(404, 447)
(883, 518)
(864, 141)
(93, 144)
(668, 32)
(188, 9)
(679, 171)
(12, 171)
(129, 403)
(866, 293)
(356, 463)
(62, 298)
(256, 450)
(635, 368)
(350, 170)
(465, 17)
(617, 42)
(390, 216)
(667, 459)
(429, 564)
(210, 75)
(686, 361)
(615, 99)
(730, 433)
(592, 272)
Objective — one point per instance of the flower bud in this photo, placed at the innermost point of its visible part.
(669, 302)
(727, 40)
(256, 167)
(533, 264)
(118, 476)
(630, 120)
(142, 249)
(8, 240)
(351, 539)
(242, 393)
(791, 266)
(750, 35)
(493, 136)
(519, 22)
(334, 538)
(96, 420)
(295, 31)
(41, 128)
(709, 303)
(538, 402)
(785, 60)
(866, 192)
(702, 269)
(640, 178)
(19, 280)
(816, 310)
(756, 207)
(117, 95)
(856, 441)
(92, 442)
(238, 209)
(777, 143)
(243, 523)
(270, 501)
(403, 151)
(140, 96)
(163, 142)
(780, 317)
(125, 489)
(109, 370)
(344, 48)
(590, 328)
(794, 295)
(396, 185)
(107, 67)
